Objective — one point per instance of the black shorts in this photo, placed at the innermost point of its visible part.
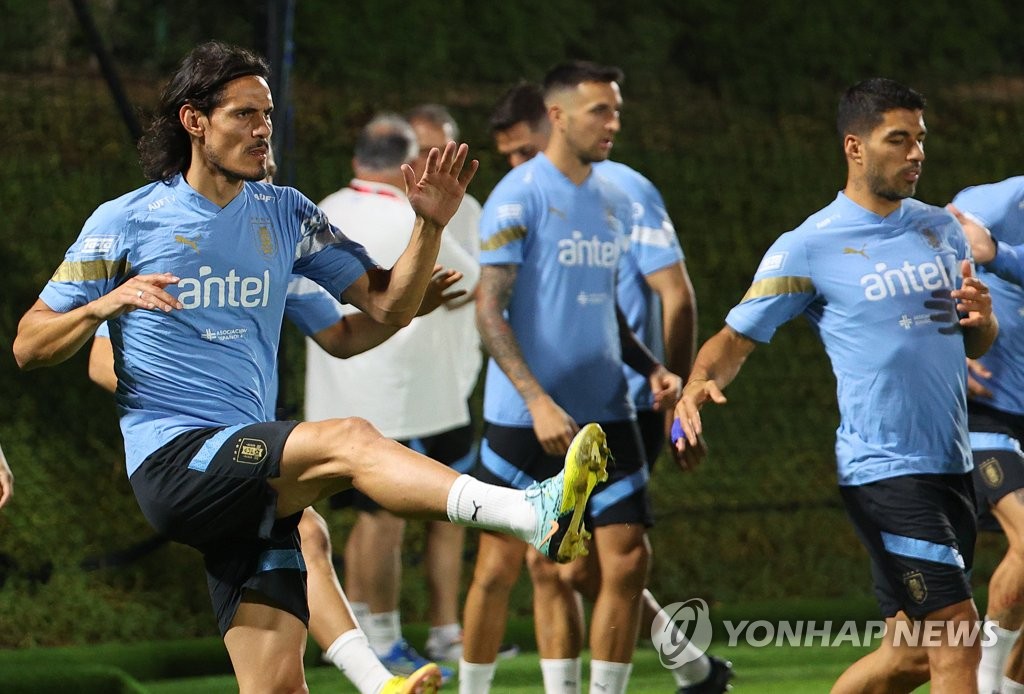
(454, 448)
(919, 531)
(652, 433)
(998, 461)
(512, 457)
(208, 488)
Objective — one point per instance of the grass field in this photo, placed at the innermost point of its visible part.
(202, 670)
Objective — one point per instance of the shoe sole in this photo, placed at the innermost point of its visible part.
(426, 680)
(586, 464)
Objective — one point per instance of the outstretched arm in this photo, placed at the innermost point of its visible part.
(552, 425)
(356, 333)
(718, 363)
(394, 296)
(47, 337)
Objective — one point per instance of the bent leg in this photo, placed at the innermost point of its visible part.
(888, 669)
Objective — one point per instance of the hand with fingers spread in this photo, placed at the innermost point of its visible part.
(142, 291)
(973, 299)
(437, 293)
(438, 193)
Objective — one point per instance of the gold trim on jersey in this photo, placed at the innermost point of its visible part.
(91, 270)
(503, 237)
(775, 286)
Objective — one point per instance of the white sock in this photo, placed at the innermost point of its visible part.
(383, 630)
(361, 611)
(698, 666)
(1010, 687)
(609, 678)
(444, 635)
(994, 655)
(475, 678)
(561, 675)
(479, 505)
(351, 653)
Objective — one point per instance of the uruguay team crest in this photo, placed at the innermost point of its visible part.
(992, 472)
(931, 238)
(250, 451)
(263, 233)
(916, 587)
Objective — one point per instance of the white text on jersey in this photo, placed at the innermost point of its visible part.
(232, 290)
(888, 282)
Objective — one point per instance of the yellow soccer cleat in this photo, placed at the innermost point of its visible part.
(426, 680)
(560, 500)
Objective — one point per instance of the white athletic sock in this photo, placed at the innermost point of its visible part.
(351, 653)
(609, 678)
(698, 666)
(994, 655)
(561, 675)
(361, 611)
(444, 635)
(479, 505)
(1010, 687)
(475, 678)
(383, 630)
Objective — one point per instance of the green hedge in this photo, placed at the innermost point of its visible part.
(735, 129)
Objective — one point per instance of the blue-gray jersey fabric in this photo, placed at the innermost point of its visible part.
(653, 246)
(876, 290)
(566, 241)
(1000, 207)
(211, 363)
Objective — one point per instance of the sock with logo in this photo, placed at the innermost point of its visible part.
(479, 505)
(383, 630)
(561, 675)
(1010, 687)
(994, 655)
(475, 678)
(609, 678)
(351, 653)
(694, 667)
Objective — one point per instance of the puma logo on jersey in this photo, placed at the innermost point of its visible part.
(854, 251)
(186, 241)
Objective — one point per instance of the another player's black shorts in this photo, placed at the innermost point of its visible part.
(454, 448)
(998, 461)
(652, 433)
(919, 531)
(208, 488)
(512, 457)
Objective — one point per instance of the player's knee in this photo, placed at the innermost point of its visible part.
(495, 577)
(351, 432)
(628, 567)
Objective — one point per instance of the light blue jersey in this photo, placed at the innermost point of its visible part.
(566, 241)
(876, 291)
(1000, 207)
(211, 363)
(653, 246)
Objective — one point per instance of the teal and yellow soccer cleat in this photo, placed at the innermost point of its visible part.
(560, 500)
(426, 680)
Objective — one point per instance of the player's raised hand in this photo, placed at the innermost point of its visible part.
(973, 300)
(446, 175)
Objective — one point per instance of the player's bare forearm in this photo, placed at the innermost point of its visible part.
(394, 296)
(721, 357)
(101, 364)
(47, 337)
(493, 296)
(679, 320)
(979, 338)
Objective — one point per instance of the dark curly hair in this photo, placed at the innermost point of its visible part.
(166, 148)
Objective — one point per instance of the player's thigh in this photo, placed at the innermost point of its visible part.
(330, 449)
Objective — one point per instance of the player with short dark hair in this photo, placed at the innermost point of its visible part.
(887, 283)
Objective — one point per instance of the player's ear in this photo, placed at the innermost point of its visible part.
(192, 120)
(853, 146)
